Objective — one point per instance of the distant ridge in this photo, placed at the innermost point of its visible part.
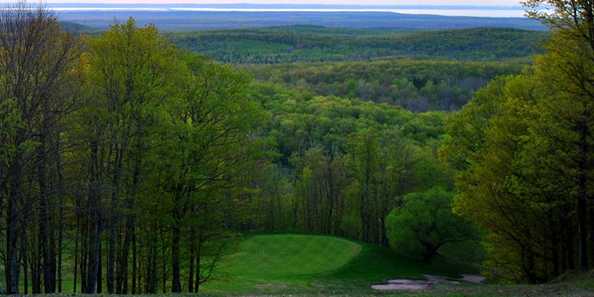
(170, 20)
(286, 6)
(308, 43)
(444, 10)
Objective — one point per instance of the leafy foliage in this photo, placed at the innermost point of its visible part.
(521, 148)
(417, 85)
(337, 164)
(318, 44)
(425, 226)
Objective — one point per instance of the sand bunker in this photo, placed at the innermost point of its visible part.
(428, 283)
(475, 279)
(404, 285)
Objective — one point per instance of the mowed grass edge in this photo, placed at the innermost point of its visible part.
(292, 263)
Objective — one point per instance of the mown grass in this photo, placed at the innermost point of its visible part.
(304, 266)
(307, 264)
(294, 264)
(274, 263)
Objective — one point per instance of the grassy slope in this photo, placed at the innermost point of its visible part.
(272, 264)
(301, 265)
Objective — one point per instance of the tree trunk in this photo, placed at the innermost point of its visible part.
(134, 261)
(150, 286)
(93, 247)
(100, 268)
(570, 241)
(112, 280)
(192, 261)
(591, 241)
(84, 255)
(61, 193)
(76, 244)
(164, 259)
(583, 195)
(48, 259)
(198, 264)
(36, 271)
(93, 260)
(12, 226)
(129, 229)
(24, 252)
(430, 251)
(123, 267)
(175, 266)
(555, 245)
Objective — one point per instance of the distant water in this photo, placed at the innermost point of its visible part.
(444, 11)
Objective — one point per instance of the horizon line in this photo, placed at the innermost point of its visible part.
(135, 2)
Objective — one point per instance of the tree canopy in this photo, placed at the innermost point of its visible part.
(425, 226)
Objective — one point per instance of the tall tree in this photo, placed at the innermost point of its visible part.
(36, 62)
(131, 72)
(523, 159)
(201, 145)
(575, 22)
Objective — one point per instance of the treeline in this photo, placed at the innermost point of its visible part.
(318, 44)
(417, 85)
(522, 151)
(121, 158)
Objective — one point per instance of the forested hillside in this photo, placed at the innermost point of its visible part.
(333, 172)
(319, 44)
(417, 85)
(76, 28)
(420, 71)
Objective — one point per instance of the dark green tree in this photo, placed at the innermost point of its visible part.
(425, 225)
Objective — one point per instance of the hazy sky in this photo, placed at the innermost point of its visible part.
(367, 2)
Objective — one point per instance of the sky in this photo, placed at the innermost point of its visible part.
(367, 2)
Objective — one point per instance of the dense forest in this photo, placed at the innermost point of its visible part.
(129, 165)
(333, 171)
(417, 70)
(418, 85)
(319, 44)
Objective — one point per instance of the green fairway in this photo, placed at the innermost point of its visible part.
(280, 256)
(265, 264)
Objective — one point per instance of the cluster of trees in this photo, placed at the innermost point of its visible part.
(341, 165)
(319, 44)
(425, 226)
(522, 150)
(120, 159)
(418, 85)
